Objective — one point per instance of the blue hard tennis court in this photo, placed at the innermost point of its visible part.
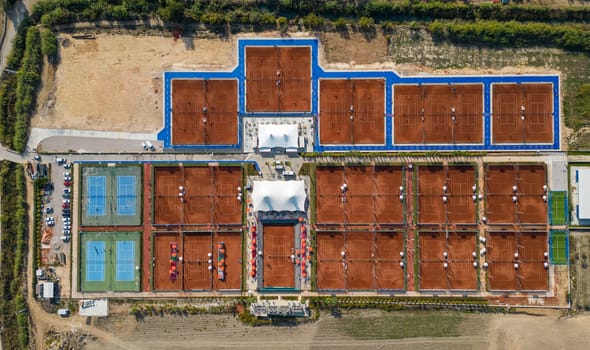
(97, 195)
(95, 261)
(125, 265)
(126, 195)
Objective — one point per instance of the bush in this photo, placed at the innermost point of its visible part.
(366, 24)
(312, 21)
(48, 44)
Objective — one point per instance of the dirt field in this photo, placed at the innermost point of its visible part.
(529, 207)
(349, 330)
(123, 74)
(438, 114)
(278, 79)
(204, 112)
(352, 111)
(580, 273)
(512, 123)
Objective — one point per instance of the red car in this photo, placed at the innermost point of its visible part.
(65, 205)
(67, 183)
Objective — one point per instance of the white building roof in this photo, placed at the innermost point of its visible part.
(584, 193)
(279, 196)
(271, 136)
(48, 290)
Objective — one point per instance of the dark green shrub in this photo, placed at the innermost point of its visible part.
(48, 43)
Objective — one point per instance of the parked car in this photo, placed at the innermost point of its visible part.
(67, 178)
(67, 173)
(67, 220)
(60, 161)
(68, 165)
(67, 201)
(66, 232)
(67, 227)
(65, 238)
(37, 158)
(67, 191)
(65, 206)
(48, 210)
(67, 183)
(67, 195)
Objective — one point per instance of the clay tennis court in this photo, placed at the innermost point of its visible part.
(204, 112)
(522, 113)
(531, 248)
(460, 273)
(529, 180)
(210, 195)
(278, 79)
(373, 188)
(371, 260)
(388, 273)
(279, 269)
(432, 272)
(330, 270)
(352, 111)
(459, 207)
(193, 271)
(161, 262)
(434, 114)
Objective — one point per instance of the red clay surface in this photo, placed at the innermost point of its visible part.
(330, 271)
(423, 114)
(531, 249)
(191, 125)
(371, 261)
(278, 79)
(210, 195)
(459, 208)
(529, 180)
(508, 125)
(460, 273)
(364, 124)
(372, 195)
(432, 272)
(388, 273)
(279, 270)
(194, 273)
(161, 262)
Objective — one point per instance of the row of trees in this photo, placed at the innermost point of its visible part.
(570, 37)
(51, 12)
(13, 308)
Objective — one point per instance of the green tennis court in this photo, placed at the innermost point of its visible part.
(558, 207)
(111, 195)
(559, 248)
(110, 261)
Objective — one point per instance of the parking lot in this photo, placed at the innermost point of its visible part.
(57, 215)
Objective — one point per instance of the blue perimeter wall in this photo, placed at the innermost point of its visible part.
(390, 77)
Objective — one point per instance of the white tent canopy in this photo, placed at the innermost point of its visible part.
(271, 136)
(279, 196)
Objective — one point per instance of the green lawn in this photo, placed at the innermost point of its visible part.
(558, 244)
(405, 324)
(558, 208)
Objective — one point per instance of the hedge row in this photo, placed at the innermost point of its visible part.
(28, 78)
(13, 308)
(51, 12)
(569, 37)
